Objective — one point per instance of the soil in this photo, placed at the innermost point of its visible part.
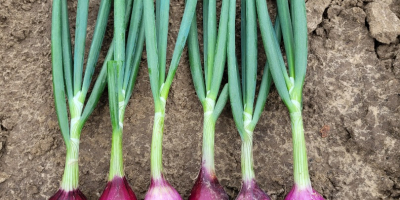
(351, 111)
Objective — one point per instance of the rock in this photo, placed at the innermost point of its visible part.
(384, 25)
(334, 11)
(3, 177)
(388, 51)
(396, 66)
(315, 10)
(395, 7)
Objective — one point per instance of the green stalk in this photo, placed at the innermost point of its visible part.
(76, 91)
(300, 163)
(118, 82)
(160, 89)
(116, 162)
(242, 93)
(292, 93)
(214, 67)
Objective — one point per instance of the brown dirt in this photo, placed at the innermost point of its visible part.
(352, 87)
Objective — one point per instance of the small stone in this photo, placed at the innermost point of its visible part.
(320, 32)
(9, 123)
(325, 131)
(3, 177)
(33, 189)
(384, 25)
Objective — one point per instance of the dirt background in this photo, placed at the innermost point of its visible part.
(352, 87)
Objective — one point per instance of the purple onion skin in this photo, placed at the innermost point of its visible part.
(160, 189)
(70, 195)
(207, 187)
(307, 193)
(251, 191)
(118, 189)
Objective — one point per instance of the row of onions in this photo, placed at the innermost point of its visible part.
(139, 22)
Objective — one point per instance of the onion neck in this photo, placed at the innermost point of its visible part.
(156, 144)
(300, 163)
(208, 137)
(247, 149)
(247, 160)
(116, 161)
(70, 180)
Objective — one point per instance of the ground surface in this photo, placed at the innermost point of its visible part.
(352, 89)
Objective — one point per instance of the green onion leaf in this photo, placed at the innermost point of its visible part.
(67, 53)
(211, 40)
(113, 92)
(222, 99)
(287, 31)
(274, 55)
(220, 55)
(98, 87)
(243, 39)
(300, 44)
(205, 38)
(251, 56)
(195, 62)
(119, 51)
(97, 41)
(58, 77)
(162, 32)
(190, 9)
(101, 80)
(235, 96)
(136, 63)
(151, 49)
(266, 82)
(80, 39)
(134, 32)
